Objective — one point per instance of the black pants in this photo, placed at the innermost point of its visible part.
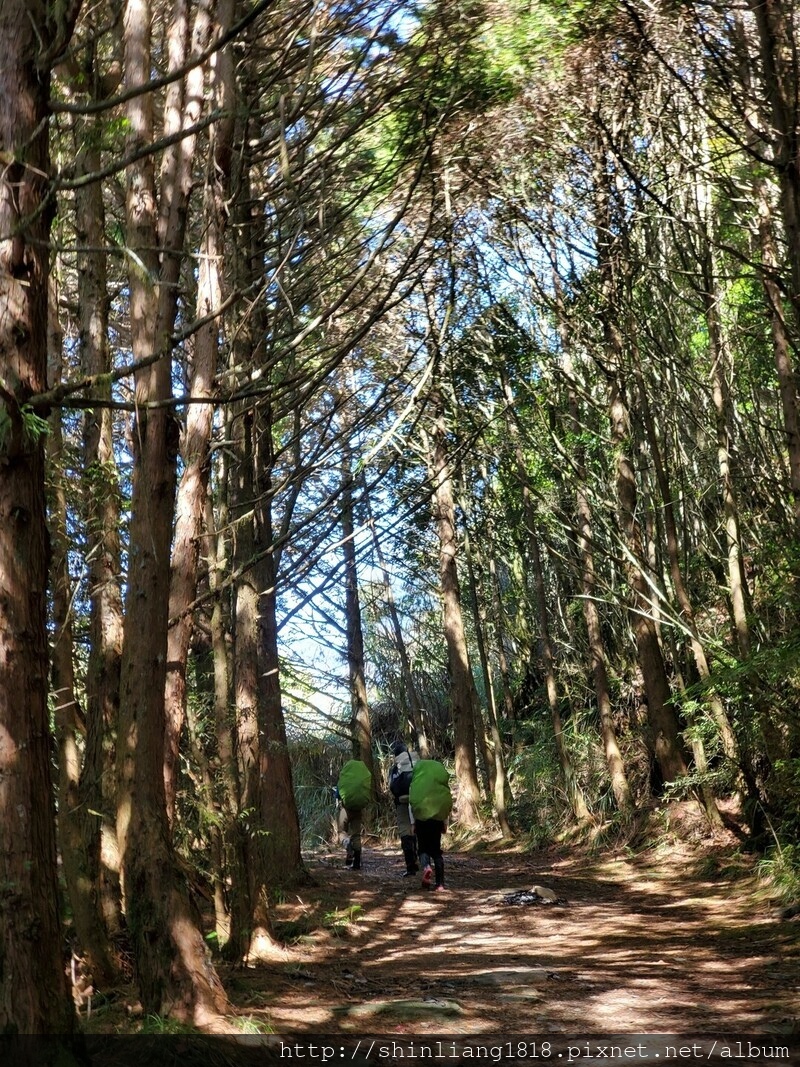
(429, 839)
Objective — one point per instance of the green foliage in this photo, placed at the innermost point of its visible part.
(781, 869)
(340, 920)
(164, 1025)
(315, 763)
(34, 428)
(517, 43)
(248, 1024)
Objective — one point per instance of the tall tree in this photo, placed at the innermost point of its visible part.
(33, 990)
(361, 727)
(463, 697)
(172, 968)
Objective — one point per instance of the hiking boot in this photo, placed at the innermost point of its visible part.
(409, 855)
(357, 859)
(427, 877)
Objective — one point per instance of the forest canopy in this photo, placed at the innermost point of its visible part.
(375, 372)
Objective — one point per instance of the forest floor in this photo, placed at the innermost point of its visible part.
(677, 938)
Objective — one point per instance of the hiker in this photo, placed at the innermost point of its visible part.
(399, 784)
(354, 790)
(431, 804)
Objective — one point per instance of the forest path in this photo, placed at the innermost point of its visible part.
(674, 941)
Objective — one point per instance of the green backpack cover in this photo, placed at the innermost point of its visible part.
(355, 785)
(429, 795)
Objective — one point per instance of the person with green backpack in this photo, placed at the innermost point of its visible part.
(400, 776)
(354, 790)
(431, 803)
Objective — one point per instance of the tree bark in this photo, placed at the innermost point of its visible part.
(610, 237)
(662, 719)
(193, 487)
(776, 35)
(78, 829)
(172, 968)
(712, 698)
(100, 502)
(591, 617)
(283, 860)
(245, 691)
(574, 792)
(495, 761)
(361, 727)
(462, 686)
(34, 998)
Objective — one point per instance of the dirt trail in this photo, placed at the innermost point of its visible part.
(644, 945)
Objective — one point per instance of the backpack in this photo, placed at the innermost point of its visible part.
(401, 774)
(429, 795)
(355, 785)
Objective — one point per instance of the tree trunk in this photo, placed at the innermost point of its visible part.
(712, 698)
(244, 827)
(610, 236)
(78, 829)
(224, 721)
(172, 968)
(585, 542)
(574, 792)
(775, 23)
(193, 488)
(591, 618)
(719, 393)
(661, 718)
(416, 713)
(573, 788)
(361, 727)
(499, 631)
(284, 863)
(462, 685)
(34, 998)
(495, 761)
(781, 346)
(100, 501)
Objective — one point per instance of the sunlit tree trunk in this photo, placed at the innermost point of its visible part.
(244, 824)
(462, 686)
(173, 972)
(495, 760)
(720, 369)
(781, 345)
(663, 723)
(224, 719)
(279, 817)
(498, 618)
(361, 727)
(196, 441)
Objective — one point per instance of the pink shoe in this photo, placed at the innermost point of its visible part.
(427, 876)
(439, 889)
